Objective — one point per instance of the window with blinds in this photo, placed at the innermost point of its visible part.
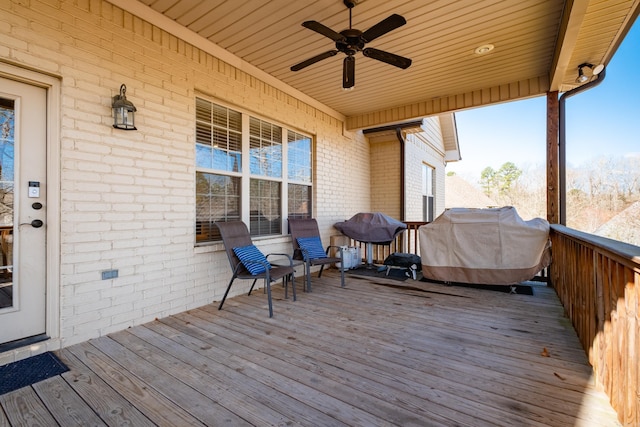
(233, 147)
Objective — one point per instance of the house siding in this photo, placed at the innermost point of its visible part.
(426, 147)
(127, 198)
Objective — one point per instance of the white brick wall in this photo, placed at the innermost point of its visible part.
(127, 198)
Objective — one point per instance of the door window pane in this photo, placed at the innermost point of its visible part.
(7, 130)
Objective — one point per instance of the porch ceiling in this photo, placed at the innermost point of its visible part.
(538, 47)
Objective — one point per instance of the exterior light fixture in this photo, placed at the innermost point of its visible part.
(595, 70)
(123, 111)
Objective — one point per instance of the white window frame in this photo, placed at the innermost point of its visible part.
(245, 173)
(428, 191)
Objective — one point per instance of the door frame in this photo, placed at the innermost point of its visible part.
(52, 85)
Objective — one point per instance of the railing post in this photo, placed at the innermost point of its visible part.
(553, 164)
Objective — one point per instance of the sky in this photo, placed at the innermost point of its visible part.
(604, 120)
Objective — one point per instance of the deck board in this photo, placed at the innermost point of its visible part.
(67, 407)
(377, 352)
(24, 408)
(114, 396)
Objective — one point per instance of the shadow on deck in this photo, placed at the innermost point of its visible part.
(378, 352)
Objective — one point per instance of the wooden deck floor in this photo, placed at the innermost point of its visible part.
(376, 353)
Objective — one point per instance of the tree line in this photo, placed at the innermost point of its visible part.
(595, 193)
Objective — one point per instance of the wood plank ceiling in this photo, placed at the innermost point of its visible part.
(538, 45)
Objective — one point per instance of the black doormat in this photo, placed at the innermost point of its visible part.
(508, 289)
(395, 273)
(29, 371)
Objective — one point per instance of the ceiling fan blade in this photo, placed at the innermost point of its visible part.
(349, 72)
(383, 27)
(313, 60)
(321, 29)
(389, 58)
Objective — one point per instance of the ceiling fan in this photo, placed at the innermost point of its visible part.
(351, 41)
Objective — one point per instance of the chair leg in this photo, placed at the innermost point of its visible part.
(268, 286)
(289, 278)
(285, 283)
(252, 285)
(308, 274)
(226, 293)
(342, 269)
(293, 285)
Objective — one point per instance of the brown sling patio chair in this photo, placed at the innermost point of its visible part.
(247, 262)
(307, 246)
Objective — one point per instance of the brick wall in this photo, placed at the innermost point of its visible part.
(385, 177)
(127, 198)
(421, 148)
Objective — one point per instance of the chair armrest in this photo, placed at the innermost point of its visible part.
(339, 248)
(284, 255)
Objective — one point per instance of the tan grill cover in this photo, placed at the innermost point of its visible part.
(484, 246)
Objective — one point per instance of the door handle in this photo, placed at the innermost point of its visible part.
(36, 223)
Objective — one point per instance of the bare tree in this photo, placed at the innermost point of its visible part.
(596, 191)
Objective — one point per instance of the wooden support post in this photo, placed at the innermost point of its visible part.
(553, 163)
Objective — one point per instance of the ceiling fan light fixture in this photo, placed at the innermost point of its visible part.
(349, 73)
(484, 49)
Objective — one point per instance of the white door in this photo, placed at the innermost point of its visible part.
(23, 171)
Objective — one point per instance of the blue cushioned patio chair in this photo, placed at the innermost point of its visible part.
(247, 262)
(307, 246)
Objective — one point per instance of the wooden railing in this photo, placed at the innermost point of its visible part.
(406, 242)
(597, 281)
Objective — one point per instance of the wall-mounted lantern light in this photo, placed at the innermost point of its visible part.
(123, 111)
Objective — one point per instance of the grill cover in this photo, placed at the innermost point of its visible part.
(484, 246)
(373, 227)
